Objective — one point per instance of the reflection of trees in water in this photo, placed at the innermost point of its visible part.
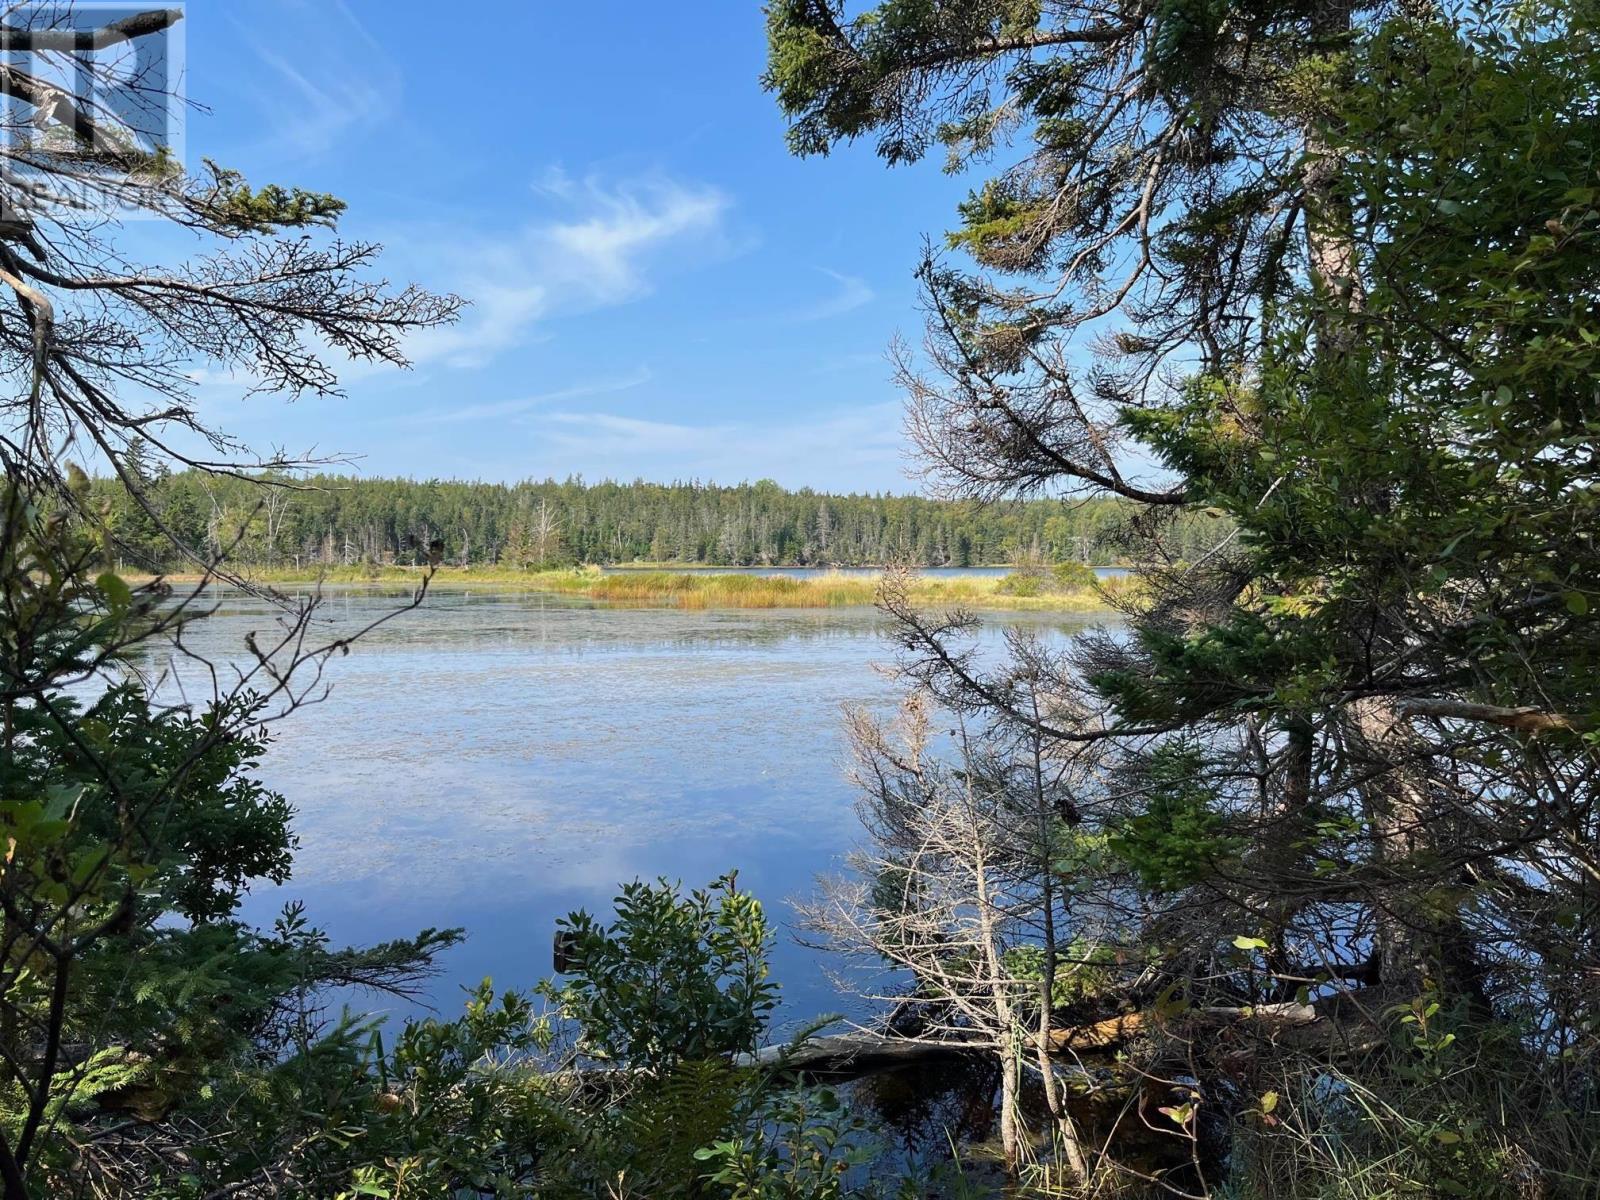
(923, 1107)
(921, 1110)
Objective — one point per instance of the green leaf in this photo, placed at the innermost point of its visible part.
(1249, 943)
(1577, 603)
(1181, 1114)
(115, 590)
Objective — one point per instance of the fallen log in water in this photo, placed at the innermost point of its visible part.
(850, 1055)
(1303, 1026)
(836, 1058)
(1348, 1023)
(1324, 1028)
(1114, 1031)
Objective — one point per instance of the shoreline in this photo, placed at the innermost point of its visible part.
(690, 568)
(706, 588)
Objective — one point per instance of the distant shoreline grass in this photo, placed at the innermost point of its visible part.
(681, 568)
(704, 588)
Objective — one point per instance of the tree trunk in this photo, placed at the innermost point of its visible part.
(1419, 945)
(1272, 866)
(1409, 937)
(1004, 1032)
(1045, 815)
(1010, 1113)
(1329, 240)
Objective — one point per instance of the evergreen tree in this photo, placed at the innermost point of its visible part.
(1340, 257)
(552, 523)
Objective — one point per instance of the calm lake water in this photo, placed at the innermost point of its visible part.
(494, 760)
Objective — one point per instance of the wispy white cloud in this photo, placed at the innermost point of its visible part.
(608, 245)
(600, 252)
(843, 448)
(339, 82)
(850, 293)
(500, 409)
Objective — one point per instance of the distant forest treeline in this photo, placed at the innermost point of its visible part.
(334, 519)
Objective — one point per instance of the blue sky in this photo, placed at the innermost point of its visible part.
(659, 289)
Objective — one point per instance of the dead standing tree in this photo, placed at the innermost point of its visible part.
(105, 348)
(956, 892)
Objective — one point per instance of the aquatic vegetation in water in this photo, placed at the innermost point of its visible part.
(706, 589)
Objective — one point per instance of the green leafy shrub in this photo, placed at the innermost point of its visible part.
(1021, 583)
(1036, 579)
(1073, 576)
(673, 977)
(803, 1145)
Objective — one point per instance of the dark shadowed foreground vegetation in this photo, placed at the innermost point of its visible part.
(1287, 886)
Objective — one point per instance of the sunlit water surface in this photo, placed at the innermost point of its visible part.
(495, 760)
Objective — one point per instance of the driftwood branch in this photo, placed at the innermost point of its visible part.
(835, 1058)
(1527, 719)
(1327, 1024)
(77, 40)
(1104, 1035)
(1336, 1025)
(850, 1055)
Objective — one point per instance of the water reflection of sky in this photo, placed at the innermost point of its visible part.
(495, 760)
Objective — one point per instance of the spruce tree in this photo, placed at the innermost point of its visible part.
(1332, 266)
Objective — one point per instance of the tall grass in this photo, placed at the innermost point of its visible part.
(705, 589)
(709, 590)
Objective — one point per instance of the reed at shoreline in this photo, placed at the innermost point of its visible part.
(705, 588)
